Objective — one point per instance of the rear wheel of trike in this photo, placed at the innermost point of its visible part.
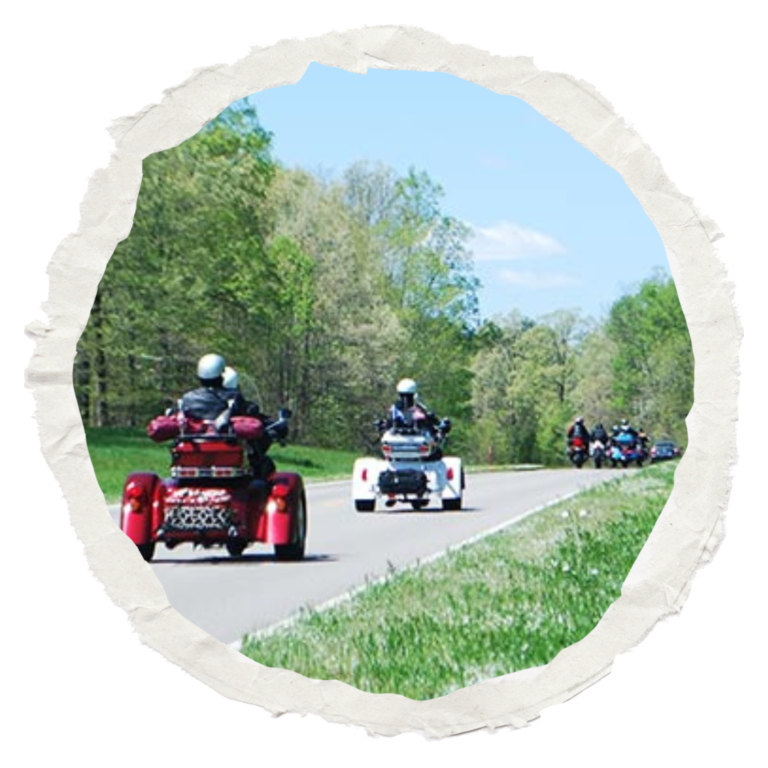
(295, 550)
(365, 505)
(236, 548)
(418, 504)
(453, 505)
(147, 550)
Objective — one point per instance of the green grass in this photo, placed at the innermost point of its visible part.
(509, 602)
(117, 452)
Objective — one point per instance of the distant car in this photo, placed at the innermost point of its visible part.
(663, 450)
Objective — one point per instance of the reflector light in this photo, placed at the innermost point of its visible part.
(276, 505)
(134, 497)
(365, 473)
(449, 473)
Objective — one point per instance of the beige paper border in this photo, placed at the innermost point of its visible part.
(689, 529)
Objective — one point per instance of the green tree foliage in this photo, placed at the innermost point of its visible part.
(324, 293)
(181, 283)
(653, 361)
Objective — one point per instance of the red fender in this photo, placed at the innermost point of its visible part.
(137, 506)
(276, 525)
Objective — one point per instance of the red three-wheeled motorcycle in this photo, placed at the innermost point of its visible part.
(216, 496)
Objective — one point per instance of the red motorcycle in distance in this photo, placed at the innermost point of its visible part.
(578, 451)
(213, 498)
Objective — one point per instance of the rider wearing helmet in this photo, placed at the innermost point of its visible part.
(211, 399)
(261, 464)
(627, 428)
(599, 434)
(407, 408)
(578, 429)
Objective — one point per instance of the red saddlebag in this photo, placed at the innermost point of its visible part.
(247, 427)
(163, 428)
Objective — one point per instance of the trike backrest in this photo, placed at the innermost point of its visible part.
(200, 451)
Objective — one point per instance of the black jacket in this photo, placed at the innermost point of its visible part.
(209, 403)
(578, 430)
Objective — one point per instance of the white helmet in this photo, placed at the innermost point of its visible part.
(210, 367)
(406, 387)
(231, 378)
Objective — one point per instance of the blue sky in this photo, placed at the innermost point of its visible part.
(554, 226)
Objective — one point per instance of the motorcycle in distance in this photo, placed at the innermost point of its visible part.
(212, 497)
(577, 451)
(412, 469)
(625, 449)
(597, 451)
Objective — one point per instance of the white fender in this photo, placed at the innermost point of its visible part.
(454, 477)
(365, 478)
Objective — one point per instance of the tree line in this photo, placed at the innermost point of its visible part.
(324, 292)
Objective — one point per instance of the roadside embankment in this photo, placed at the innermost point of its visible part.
(510, 601)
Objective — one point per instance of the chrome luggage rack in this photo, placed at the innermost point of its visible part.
(208, 472)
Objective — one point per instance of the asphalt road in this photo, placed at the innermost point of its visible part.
(230, 598)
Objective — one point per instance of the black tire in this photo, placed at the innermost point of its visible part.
(419, 504)
(598, 463)
(639, 462)
(147, 550)
(452, 505)
(236, 548)
(613, 463)
(295, 550)
(365, 505)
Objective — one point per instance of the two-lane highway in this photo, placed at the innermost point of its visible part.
(230, 598)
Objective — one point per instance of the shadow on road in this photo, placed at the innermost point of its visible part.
(246, 559)
(422, 512)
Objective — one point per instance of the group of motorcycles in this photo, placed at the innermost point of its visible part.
(215, 497)
(622, 449)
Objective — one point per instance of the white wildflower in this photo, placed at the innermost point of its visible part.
(583, 513)
(564, 514)
(566, 568)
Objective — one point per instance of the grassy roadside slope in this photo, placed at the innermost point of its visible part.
(508, 602)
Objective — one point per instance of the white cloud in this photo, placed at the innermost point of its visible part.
(506, 241)
(536, 280)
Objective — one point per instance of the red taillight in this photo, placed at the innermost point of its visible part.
(449, 473)
(277, 505)
(134, 497)
(365, 474)
(280, 490)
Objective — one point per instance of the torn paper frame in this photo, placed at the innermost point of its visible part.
(689, 528)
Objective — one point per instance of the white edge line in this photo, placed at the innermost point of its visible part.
(350, 594)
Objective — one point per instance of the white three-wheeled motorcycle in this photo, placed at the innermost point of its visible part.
(412, 470)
